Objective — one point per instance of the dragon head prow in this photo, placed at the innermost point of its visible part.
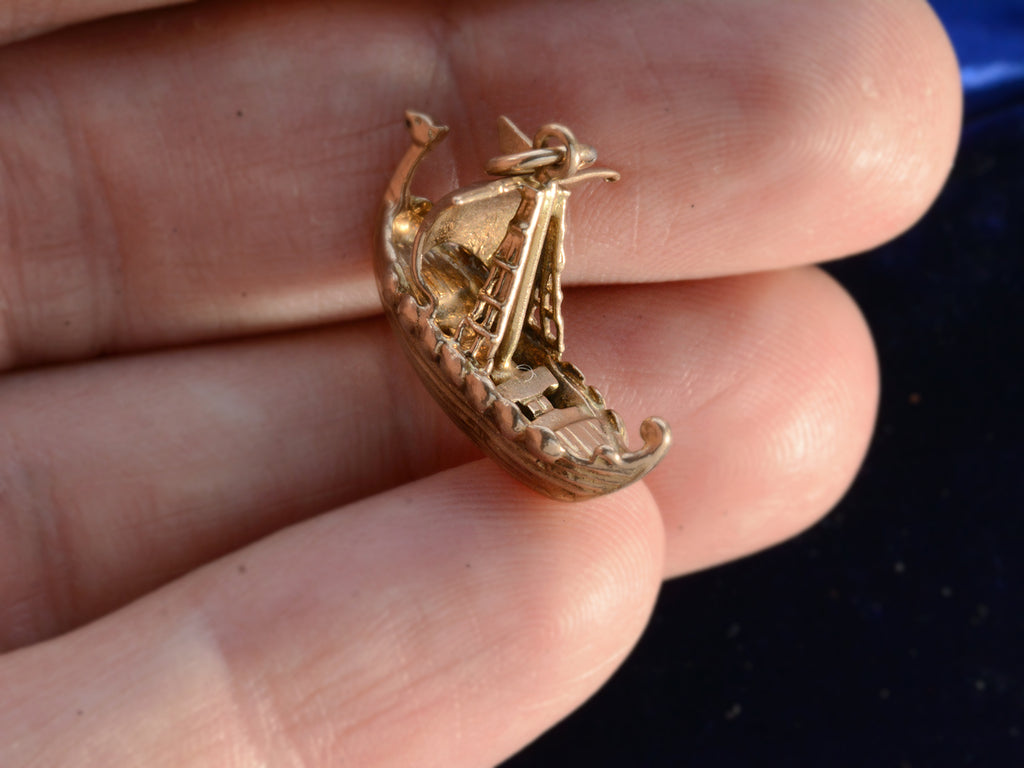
(423, 131)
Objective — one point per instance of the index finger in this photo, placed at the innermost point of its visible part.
(24, 18)
(220, 174)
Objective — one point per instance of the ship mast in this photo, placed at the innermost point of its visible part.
(490, 333)
(523, 285)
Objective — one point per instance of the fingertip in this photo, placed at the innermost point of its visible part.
(831, 373)
(772, 441)
(576, 566)
(855, 126)
(476, 598)
(448, 622)
(900, 126)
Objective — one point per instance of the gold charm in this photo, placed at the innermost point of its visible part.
(472, 285)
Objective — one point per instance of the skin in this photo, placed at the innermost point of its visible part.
(234, 530)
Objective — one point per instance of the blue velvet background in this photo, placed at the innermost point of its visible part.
(891, 634)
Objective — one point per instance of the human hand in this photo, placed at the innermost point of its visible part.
(236, 531)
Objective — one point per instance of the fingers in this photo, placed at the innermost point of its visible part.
(187, 188)
(753, 136)
(124, 474)
(23, 18)
(446, 623)
(780, 407)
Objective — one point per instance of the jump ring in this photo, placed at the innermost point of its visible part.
(571, 161)
(525, 162)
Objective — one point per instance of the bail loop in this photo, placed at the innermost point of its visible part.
(570, 161)
(560, 161)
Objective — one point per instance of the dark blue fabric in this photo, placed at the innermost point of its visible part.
(989, 39)
(892, 634)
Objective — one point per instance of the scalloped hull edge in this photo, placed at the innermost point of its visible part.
(532, 454)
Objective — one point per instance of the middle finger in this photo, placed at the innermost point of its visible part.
(119, 475)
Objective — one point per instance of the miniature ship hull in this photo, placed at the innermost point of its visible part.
(541, 423)
(533, 454)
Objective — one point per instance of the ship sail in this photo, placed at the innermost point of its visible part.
(523, 283)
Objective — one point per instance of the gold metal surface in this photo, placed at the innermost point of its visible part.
(472, 285)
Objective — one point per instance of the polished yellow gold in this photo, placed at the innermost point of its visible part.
(472, 285)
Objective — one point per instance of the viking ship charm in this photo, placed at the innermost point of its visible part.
(472, 286)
